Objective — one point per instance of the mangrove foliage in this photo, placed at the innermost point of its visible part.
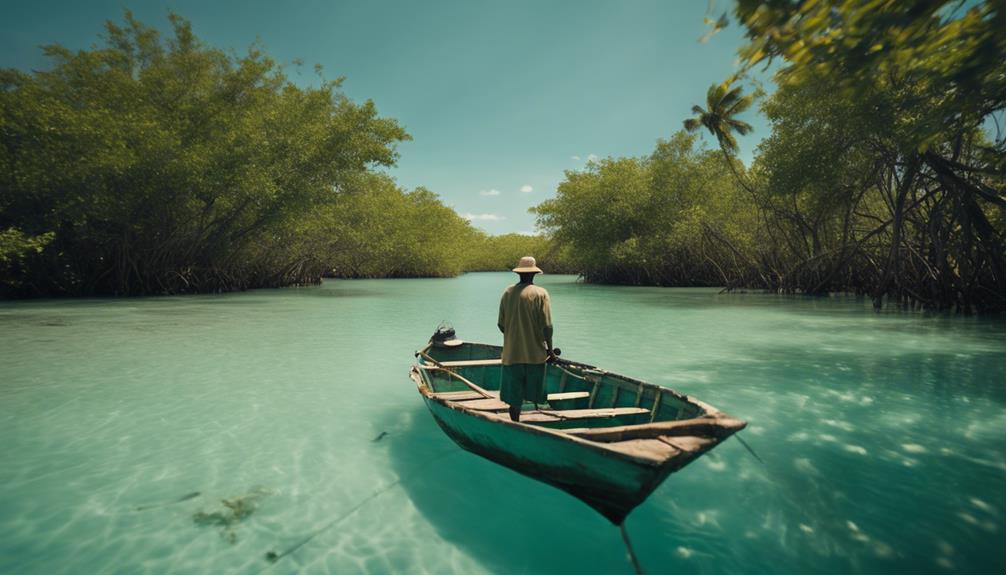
(161, 165)
(884, 173)
(157, 165)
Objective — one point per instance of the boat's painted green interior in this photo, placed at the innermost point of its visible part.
(600, 390)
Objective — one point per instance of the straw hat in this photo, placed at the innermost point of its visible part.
(527, 265)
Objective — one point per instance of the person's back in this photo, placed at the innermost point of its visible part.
(525, 318)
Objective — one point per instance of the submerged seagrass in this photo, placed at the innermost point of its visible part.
(606, 439)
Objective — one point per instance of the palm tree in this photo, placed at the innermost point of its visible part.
(724, 104)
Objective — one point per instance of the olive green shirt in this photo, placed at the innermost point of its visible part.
(526, 322)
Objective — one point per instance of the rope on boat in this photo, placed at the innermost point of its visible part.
(567, 372)
(628, 549)
(272, 557)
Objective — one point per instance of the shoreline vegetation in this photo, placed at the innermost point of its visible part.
(884, 173)
(165, 166)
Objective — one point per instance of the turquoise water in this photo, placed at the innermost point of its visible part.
(883, 436)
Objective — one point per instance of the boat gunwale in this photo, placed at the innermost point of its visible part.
(605, 448)
(708, 409)
(710, 414)
(705, 407)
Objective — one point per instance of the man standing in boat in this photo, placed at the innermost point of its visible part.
(525, 319)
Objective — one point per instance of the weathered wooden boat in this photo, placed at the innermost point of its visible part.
(605, 438)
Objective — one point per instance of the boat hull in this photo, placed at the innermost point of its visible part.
(611, 484)
(605, 438)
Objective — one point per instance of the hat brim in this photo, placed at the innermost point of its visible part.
(448, 343)
(532, 270)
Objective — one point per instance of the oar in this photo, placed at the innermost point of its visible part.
(463, 380)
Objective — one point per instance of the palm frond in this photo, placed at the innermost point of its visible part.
(742, 128)
(692, 124)
(713, 95)
(740, 106)
(730, 97)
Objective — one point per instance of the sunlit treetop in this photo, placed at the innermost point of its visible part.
(947, 58)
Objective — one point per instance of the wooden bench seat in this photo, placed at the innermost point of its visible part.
(464, 395)
(467, 396)
(486, 404)
(472, 362)
(552, 415)
(568, 396)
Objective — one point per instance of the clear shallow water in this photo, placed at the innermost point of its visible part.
(883, 436)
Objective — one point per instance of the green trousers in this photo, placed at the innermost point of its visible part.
(523, 382)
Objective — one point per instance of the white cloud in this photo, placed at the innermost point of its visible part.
(493, 192)
(577, 158)
(483, 217)
(526, 188)
(592, 158)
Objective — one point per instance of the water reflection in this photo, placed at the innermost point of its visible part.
(507, 522)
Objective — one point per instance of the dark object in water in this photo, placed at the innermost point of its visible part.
(630, 551)
(236, 510)
(185, 497)
(381, 436)
(751, 451)
(273, 557)
(604, 438)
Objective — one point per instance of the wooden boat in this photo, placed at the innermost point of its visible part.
(607, 439)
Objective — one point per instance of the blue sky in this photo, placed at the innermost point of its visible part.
(500, 97)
